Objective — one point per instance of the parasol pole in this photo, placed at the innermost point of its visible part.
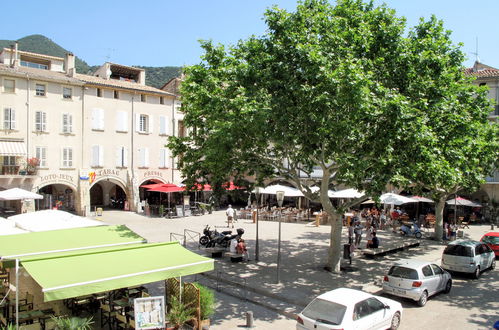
(455, 207)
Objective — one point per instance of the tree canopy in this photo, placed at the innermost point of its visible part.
(335, 88)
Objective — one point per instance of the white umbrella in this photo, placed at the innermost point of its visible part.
(346, 193)
(51, 220)
(18, 194)
(422, 199)
(288, 191)
(391, 198)
(462, 202)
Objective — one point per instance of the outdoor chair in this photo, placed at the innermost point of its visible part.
(121, 321)
(107, 315)
(26, 304)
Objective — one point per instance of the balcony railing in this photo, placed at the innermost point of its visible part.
(10, 170)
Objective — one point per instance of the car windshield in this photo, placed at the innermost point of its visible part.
(403, 272)
(325, 311)
(458, 250)
(491, 239)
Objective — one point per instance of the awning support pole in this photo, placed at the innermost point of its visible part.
(17, 293)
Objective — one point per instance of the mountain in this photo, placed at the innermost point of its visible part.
(36, 43)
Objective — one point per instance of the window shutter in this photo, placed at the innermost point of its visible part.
(70, 157)
(6, 118)
(118, 156)
(162, 125)
(150, 123)
(38, 121)
(101, 119)
(125, 157)
(70, 123)
(101, 156)
(137, 122)
(163, 156)
(121, 124)
(64, 122)
(63, 157)
(141, 157)
(146, 157)
(43, 157)
(12, 118)
(44, 121)
(95, 155)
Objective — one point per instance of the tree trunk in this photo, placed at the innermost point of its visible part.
(439, 218)
(335, 248)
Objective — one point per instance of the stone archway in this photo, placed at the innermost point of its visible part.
(56, 195)
(108, 192)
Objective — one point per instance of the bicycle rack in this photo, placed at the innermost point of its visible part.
(191, 235)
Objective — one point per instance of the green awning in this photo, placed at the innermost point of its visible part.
(65, 241)
(98, 271)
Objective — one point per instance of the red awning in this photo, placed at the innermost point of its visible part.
(167, 188)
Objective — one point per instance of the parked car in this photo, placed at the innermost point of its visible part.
(468, 256)
(492, 240)
(350, 309)
(416, 280)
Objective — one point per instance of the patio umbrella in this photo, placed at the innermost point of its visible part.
(18, 194)
(168, 188)
(346, 193)
(421, 199)
(288, 191)
(395, 199)
(462, 202)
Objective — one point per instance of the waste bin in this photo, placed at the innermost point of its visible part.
(346, 251)
(99, 211)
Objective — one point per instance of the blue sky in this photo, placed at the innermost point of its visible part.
(166, 33)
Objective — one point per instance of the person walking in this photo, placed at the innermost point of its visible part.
(358, 233)
(230, 216)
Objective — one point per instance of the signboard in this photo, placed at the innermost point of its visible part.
(187, 210)
(180, 210)
(149, 312)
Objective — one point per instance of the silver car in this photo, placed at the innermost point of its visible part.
(416, 280)
(468, 256)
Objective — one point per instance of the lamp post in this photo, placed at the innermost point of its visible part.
(280, 199)
(257, 247)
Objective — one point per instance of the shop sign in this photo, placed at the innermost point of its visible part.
(153, 173)
(84, 174)
(107, 172)
(149, 312)
(56, 178)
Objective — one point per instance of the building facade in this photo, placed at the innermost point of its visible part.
(83, 140)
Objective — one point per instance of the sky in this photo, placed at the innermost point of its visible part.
(166, 32)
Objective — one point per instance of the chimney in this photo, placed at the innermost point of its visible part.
(16, 58)
(69, 64)
(11, 63)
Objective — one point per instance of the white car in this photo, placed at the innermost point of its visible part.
(350, 309)
(468, 256)
(416, 280)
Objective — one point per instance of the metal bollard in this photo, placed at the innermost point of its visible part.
(249, 319)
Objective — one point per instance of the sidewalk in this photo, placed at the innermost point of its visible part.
(303, 254)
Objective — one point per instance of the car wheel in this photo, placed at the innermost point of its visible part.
(476, 275)
(395, 321)
(423, 299)
(493, 264)
(448, 286)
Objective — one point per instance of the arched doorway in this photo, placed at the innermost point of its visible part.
(58, 196)
(108, 193)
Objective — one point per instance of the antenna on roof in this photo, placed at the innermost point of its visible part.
(477, 59)
(109, 51)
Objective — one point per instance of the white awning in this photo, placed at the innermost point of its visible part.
(12, 148)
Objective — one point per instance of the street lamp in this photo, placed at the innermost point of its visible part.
(280, 199)
(257, 247)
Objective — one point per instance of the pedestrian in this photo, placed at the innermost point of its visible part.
(230, 216)
(350, 233)
(369, 235)
(382, 219)
(242, 249)
(358, 233)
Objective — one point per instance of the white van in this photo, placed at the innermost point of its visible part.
(468, 256)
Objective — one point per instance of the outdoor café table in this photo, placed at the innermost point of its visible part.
(30, 316)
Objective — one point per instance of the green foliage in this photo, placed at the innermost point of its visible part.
(207, 301)
(339, 88)
(72, 323)
(155, 76)
(179, 314)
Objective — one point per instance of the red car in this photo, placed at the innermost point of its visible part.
(492, 240)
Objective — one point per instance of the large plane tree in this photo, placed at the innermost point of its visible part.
(320, 89)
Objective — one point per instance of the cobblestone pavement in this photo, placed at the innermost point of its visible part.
(251, 286)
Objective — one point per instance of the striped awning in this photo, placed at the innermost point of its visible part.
(12, 148)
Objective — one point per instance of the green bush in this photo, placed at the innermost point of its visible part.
(179, 314)
(72, 323)
(207, 301)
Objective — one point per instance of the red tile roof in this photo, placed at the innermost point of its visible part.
(482, 72)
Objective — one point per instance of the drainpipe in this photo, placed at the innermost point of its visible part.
(82, 199)
(27, 116)
(173, 134)
(132, 154)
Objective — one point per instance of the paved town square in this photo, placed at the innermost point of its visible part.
(251, 286)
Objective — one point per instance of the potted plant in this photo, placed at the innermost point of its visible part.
(72, 323)
(207, 304)
(31, 165)
(179, 314)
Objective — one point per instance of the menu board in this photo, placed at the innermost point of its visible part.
(180, 210)
(187, 210)
(149, 312)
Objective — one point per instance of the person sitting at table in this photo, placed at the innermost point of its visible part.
(374, 241)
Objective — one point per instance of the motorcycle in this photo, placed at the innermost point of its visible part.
(213, 238)
(413, 230)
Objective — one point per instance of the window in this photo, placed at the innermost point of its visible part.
(67, 93)
(40, 121)
(98, 119)
(99, 92)
(9, 119)
(34, 65)
(458, 250)
(116, 95)
(143, 123)
(482, 84)
(161, 100)
(97, 156)
(143, 98)
(9, 160)
(122, 121)
(163, 125)
(163, 158)
(427, 271)
(9, 85)
(67, 157)
(360, 310)
(437, 270)
(41, 154)
(67, 123)
(121, 157)
(40, 90)
(143, 157)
